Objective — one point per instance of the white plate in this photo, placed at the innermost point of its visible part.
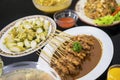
(79, 8)
(107, 52)
(4, 51)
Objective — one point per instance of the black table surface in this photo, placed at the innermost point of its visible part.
(11, 10)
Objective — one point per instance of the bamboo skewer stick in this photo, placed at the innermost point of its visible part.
(53, 58)
(58, 31)
(43, 58)
(57, 51)
(54, 45)
(57, 39)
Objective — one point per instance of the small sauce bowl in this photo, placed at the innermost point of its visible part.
(66, 19)
(114, 72)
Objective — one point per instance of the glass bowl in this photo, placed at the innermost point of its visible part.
(51, 6)
(66, 19)
(28, 70)
(114, 72)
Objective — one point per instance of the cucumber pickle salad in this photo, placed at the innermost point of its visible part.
(26, 34)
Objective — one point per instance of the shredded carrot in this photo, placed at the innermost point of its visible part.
(116, 11)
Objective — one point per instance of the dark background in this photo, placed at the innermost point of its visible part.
(11, 10)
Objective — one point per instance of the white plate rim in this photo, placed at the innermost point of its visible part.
(79, 8)
(107, 54)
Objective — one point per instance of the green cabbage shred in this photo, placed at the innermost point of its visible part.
(107, 20)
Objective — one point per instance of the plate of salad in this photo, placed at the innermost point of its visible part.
(102, 13)
(26, 35)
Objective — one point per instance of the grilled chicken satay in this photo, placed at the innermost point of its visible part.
(80, 55)
(68, 62)
(74, 60)
(59, 66)
(84, 39)
(71, 68)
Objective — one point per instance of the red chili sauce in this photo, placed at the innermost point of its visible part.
(66, 22)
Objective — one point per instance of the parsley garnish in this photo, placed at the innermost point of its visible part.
(77, 47)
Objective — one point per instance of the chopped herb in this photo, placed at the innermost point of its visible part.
(77, 47)
(112, 9)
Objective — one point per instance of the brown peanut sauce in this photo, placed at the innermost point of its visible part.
(91, 62)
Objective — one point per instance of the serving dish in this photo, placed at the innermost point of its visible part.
(66, 18)
(23, 28)
(51, 6)
(79, 8)
(113, 72)
(107, 50)
(25, 67)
